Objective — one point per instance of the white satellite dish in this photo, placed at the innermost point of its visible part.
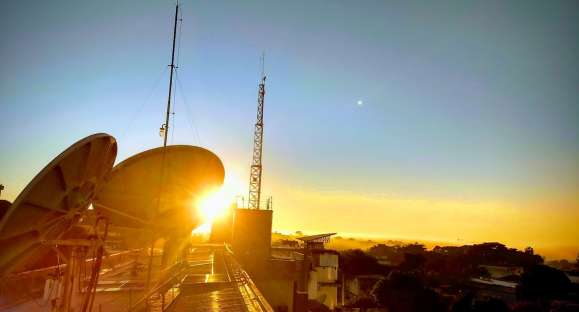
(54, 201)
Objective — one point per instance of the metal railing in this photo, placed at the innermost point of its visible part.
(252, 297)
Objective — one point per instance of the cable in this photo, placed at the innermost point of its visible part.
(143, 104)
(180, 34)
(190, 119)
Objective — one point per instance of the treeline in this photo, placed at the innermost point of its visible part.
(480, 254)
(417, 279)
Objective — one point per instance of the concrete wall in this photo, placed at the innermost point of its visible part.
(252, 234)
(276, 279)
(328, 260)
(278, 292)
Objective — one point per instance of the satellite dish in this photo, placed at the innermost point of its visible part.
(157, 189)
(54, 201)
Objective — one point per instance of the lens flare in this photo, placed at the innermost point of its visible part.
(216, 203)
(213, 205)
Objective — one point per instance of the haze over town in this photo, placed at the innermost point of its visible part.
(396, 120)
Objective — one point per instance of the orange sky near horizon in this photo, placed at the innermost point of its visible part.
(551, 235)
(549, 226)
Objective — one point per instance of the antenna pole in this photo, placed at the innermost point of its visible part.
(256, 169)
(165, 129)
(166, 132)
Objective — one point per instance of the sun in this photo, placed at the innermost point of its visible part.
(216, 203)
(213, 205)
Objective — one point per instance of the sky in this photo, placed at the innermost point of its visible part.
(450, 121)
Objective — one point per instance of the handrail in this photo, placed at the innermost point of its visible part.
(169, 281)
(249, 291)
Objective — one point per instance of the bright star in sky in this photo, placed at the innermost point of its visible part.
(360, 102)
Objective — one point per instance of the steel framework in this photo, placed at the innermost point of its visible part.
(256, 167)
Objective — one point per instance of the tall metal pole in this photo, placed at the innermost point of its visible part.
(171, 77)
(256, 168)
(166, 135)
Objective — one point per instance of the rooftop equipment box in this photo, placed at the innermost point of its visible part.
(252, 234)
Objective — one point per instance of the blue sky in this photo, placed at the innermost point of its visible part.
(462, 101)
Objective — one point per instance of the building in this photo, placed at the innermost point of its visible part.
(323, 266)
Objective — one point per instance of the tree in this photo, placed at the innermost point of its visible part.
(364, 304)
(529, 250)
(499, 254)
(415, 249)
(543, 283)
(357, 262)
(382, 250)
(412, 262)
(468, 304)
(490, 305)
(527, 307)
(464, 303)
(404, 292)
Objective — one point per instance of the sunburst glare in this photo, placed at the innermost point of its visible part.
(215, 203)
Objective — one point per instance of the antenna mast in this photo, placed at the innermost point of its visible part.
(165, 127)
(256, 168)
(165, 132)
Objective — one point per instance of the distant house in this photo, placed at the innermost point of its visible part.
(494, 288)
(383, 260)
(573, 278)
(498, 272)
(323, 276)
